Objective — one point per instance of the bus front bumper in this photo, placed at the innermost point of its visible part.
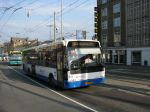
(83, 83)
(15, 62)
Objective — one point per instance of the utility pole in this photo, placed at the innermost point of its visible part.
(54, 27)
(61, 20)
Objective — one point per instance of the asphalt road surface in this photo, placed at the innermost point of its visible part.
(20, 93)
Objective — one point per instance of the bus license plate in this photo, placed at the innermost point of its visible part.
(89, 83)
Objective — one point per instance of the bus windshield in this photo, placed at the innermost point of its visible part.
(84, 57)
(16, 57)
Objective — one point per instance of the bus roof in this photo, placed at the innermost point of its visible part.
(63, 42)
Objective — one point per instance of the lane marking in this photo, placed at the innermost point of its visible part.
(131, 80)
(133, 92)
(117, 71)
(121, 76)
(109, 88)
(93, 110)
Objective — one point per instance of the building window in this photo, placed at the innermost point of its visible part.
(136, 57)
(117, 38)
(104, 25)
(104, 12)
(146, 40)
(116, 8)
(108, 56)
(104, 1)
(116, 22)
(104, 40)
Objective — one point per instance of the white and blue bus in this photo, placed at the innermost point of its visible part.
(15, 58)
(64, 64)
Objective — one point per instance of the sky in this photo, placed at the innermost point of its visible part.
(32, 18)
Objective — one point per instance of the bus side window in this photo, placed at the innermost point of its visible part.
(43, 58)
(38, 61)
(47, 59)
(65, 60)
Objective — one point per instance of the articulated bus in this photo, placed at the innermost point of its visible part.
(64, 64)
(15, 58)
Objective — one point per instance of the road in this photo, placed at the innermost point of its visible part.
(20, 93)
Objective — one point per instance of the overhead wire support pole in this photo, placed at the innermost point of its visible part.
(54, 27)
(61, 20)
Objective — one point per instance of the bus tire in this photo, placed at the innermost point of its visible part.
(51, 81)
(29, 72)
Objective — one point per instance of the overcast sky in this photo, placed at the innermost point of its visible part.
(30, 18)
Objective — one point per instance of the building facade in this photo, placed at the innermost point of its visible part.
(111, 29)
(1, 48)
(17, 43)
(138, 32)
(123, 28)
(6, 47)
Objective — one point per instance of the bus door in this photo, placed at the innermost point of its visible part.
(60, 68)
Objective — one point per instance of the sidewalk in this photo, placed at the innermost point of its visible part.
(133, 71)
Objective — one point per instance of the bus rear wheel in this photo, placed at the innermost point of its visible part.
(29, 72)
(51, 81)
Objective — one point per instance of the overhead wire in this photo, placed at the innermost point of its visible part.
(16, 9)
(69, 10)
(7, 9)
(46, 20)
(18, 3)
(36, 27)
(9, 18)
(73, 3)
(12, 6)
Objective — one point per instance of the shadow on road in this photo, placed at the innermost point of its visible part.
(118, 95)
(13, 76)
(63, 103)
